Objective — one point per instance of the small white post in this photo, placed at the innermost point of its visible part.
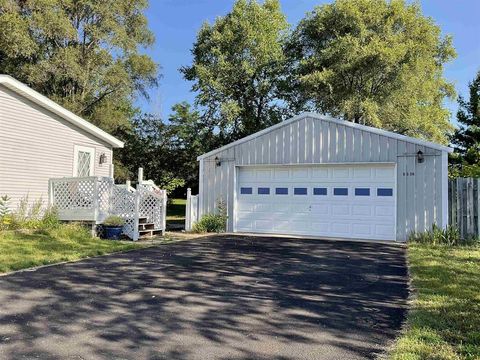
(128, 185)
(93, 230)
(188, 211)
(50, 192)
(164, 212)
(111, 170)
(136, 221)
(140, 175)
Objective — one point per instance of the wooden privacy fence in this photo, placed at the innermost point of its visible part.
(464, 205)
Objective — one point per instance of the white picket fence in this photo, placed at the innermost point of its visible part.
(464, 205)
(191, 210)
(94, 198)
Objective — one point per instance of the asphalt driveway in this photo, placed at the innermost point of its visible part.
(223, 297)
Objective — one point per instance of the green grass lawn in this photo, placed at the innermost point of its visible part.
(176, 210)
(20, 250)
(444, 322)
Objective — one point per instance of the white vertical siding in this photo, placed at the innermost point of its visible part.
(311, 140)
(36, 145)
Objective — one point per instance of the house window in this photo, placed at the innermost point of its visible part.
(384, 192)
(246, 191)
(300, 191)
(340, 191)
(319, 191)
(263, 191)
(281, 191)
(83, 161)
(362, 192)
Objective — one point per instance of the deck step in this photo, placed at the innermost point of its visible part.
(149, 233)
(146, 226)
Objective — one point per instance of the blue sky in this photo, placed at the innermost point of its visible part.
(176, 22)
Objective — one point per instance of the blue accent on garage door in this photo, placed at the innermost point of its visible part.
(319, 191)
(263, 191)
(300, 191)
(362, 192)
(246, 191)
(340, 191)
(384, 192)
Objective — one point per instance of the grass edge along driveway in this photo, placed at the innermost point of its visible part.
(26, 249)
(444, 321)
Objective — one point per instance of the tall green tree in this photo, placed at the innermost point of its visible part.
(167, 150)
(467, 137)
(375, 62)
(238, 66)
(190, 138)
(85, 55)
(148, 144)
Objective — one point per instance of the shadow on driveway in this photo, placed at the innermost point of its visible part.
(221, 297)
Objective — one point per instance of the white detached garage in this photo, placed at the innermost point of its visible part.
(317, 176)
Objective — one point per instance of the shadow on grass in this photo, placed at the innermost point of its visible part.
(23, 249)
(176, 209)
(226, 297)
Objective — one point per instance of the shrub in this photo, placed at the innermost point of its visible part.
(50, 218)
(4, 210)
(114, 220)
(437, 236)
(27, 216)
(210, 223)
(213, 222)
(5, 216)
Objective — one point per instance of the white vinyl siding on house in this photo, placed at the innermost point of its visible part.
(36, 145)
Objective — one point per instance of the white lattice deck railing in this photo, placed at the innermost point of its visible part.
(94, 198)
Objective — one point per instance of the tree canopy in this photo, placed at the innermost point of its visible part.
(148, 144)
(238, 66)
(467, 137)
(167, 150)
(85, 55)
(375, 62)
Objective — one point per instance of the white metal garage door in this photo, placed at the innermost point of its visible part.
(347, 201)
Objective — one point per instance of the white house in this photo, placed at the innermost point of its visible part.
(40, 140)
(318, 176)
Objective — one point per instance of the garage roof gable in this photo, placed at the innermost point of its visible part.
(334, 120)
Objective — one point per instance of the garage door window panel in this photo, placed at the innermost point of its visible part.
(362, 192)
(281, 191)
(319, 191)
(300, 191)
(340, 191)
(384, 192)
(263, 191)
(246, 191)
